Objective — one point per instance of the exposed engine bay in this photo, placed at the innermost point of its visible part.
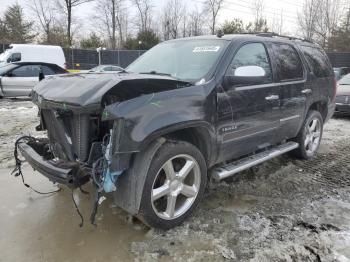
(83, 142)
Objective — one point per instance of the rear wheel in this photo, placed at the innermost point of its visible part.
(174, 185)
(310, 135)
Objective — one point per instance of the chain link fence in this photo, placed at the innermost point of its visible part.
(86, 59)
(82, 59)
(339, 59)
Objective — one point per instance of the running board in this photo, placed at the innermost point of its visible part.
(232, 168)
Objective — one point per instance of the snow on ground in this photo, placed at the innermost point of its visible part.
(287, 210)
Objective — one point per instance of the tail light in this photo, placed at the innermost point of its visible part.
(334, 89)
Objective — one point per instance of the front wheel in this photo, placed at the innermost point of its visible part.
(174, 185)
(310, 135)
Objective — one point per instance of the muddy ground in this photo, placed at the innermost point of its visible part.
(286, 210)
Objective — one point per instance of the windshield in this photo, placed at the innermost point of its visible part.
(4, 55)
(4, 69)
(98, 68)
(188, 60)
(345, 80)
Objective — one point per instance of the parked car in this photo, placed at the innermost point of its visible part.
(343, 96)
(33, 53)
(340, 72)
(187, 110)
(18, 79)
(106, 68)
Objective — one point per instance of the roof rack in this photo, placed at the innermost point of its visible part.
(272, 34)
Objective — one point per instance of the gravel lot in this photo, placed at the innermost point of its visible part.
(286, 210)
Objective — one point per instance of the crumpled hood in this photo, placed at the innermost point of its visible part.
(87, 89)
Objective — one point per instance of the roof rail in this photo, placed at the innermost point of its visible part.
(272, 34)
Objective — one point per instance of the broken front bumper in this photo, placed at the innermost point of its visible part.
(67, 173)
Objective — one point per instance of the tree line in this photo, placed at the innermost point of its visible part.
(326, 22)
(136, 24)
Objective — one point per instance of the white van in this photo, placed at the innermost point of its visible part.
(33, 53)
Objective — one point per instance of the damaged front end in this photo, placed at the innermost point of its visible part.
(83, 135)
(79, 147)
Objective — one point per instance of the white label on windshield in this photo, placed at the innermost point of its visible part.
(199, 49)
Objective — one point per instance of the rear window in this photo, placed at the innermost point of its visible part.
(289, 65)
(317, 61)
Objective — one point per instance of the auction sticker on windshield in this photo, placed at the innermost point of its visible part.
(199, 49)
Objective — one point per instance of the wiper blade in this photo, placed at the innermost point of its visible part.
(156, 73)
(166, 74)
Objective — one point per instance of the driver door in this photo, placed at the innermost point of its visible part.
(20, 81)
(248, 113)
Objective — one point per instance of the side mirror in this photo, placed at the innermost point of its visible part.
(247, 75)
(250, 71)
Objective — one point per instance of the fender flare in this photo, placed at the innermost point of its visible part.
(130, 184)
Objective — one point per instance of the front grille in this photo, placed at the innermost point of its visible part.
(69, 133)
(342, 99)
(80, 135)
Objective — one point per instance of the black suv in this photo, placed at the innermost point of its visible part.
(186, 111)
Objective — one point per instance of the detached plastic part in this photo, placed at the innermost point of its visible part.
(110, 181)
(110, 178)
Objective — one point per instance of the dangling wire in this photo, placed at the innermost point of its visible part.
(97, 170)
(17, 171)
(78, 211)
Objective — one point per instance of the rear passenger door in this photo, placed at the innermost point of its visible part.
(320, 74)
(293, 89)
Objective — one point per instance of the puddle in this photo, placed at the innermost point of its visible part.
(46, 228)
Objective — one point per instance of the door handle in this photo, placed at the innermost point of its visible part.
(306, 91)
(272, 97)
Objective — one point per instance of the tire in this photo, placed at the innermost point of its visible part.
(165, 187)
(309, 137)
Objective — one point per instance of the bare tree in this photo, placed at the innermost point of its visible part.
(319, 19)
(173, 15)
(67, 6)
(258, 7)
(44, 10)
(144, 9)
(277, 23)
(213, 7)
(329, 16)
(111, 18)
(195, 25)
(307, 19)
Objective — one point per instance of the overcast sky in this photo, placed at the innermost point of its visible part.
(232, 9)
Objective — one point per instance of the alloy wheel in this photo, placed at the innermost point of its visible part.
(175, 187)
(313, 136)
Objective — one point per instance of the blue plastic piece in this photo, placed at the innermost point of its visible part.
(109, 180)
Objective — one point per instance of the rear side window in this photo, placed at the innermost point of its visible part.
(288, 62)
(47, 70)
(317, 61)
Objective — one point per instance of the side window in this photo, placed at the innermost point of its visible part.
(288, 62)
(317, 61)
(26, 71)
(15, 57)
(115, 68)
(253, 54)
(47, 70)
